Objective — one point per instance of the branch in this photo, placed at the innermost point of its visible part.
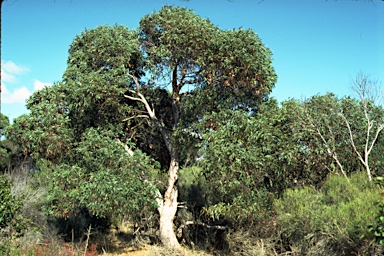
(352, 140)
(368, 92)
(143, 100)
(182, 95)
(187, 223)
(136, 82)
(132, 117)
(381, 127)
(151, 113)
(126, 148)
(132, 98)
(333, 153)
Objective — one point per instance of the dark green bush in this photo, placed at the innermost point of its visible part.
(336, 218)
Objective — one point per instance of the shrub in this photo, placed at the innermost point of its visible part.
(9, 205)
(11, 221)
(378, 228)
(335, 218)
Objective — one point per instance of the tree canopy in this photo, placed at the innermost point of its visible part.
(126, 92)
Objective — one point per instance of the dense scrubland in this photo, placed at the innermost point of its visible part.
(166, 136)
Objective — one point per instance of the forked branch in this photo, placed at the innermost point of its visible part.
(150, 111)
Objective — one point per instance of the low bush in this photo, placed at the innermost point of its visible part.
(377, 228)
(333, 220)
(260, 238)
(9, 204)
(12, 223)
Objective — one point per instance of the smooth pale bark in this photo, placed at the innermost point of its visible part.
(168, 211)
(369, 92)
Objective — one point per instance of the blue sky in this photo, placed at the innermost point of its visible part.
(318, 45)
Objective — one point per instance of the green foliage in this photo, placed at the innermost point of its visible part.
(107, 50)
(7, 149)
(209, 69)
(77, 134)
(234, 61)
(105, 179)
(209, 90)
(193, 187)
(10, 206)
(341, 210)
(4, 123)
(80, 129)
(4, 151)
(248, 159)
(12, 223)
(378, 228)
(228, 165)
(322, 115)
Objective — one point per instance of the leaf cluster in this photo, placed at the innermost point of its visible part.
(249, 158)
(209, 67)
(103, 178)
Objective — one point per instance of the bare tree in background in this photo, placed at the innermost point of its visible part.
(370, 95)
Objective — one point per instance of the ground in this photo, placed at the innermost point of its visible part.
(120, 244)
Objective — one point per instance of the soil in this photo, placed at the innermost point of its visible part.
(132, 252)
(120, 244)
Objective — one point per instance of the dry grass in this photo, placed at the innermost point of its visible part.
(154, 250)
(122, 243)
(244, 243)
(161, 251)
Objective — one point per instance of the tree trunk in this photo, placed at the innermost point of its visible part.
(168, 211)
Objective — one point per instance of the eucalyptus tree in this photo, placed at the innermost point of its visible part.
(206, 69)
(150, 87)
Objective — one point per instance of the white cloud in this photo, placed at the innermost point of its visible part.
(19, 95)
(12, 68)
(6, 77)
(9, 71)
(16, 93)
(38, 85)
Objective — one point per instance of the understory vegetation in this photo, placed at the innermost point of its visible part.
(166, 136)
